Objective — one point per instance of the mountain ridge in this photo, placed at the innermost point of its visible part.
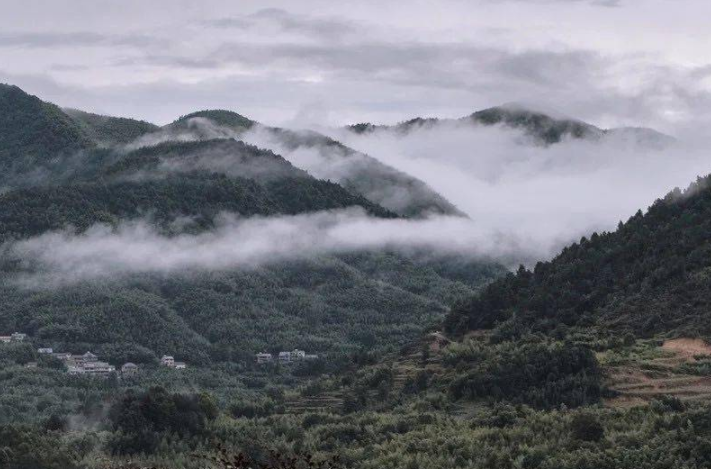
(538, 125)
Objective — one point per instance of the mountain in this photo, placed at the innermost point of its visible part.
(220, 117)
(542, 128)
(357, 172)
(179, 180)
(539, 126)
(648, 277)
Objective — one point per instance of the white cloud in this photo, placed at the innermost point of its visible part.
(57, 258)
(545, 196)
(272, 59)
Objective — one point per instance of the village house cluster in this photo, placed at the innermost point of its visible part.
(294, 356)
(88, 364)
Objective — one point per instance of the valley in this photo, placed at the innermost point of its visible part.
(267, 307)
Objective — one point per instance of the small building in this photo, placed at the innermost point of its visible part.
(81, 360)
(31, 365)
(295, 355)
(168, 360)
(179, 365)
(129, 369)
(18, 337)
(97, 368)
(45, 351)
(14, 337)
(264, 358)
(63, 356)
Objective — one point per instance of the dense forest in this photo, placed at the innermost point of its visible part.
(647, 277)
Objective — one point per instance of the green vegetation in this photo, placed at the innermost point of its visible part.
(648, 277)
(32, 133)
(542, 375)
(539, 126)
(107, 131)
(220, 117)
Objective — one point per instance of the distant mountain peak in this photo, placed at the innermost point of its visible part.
(541, 126)
(221, 117)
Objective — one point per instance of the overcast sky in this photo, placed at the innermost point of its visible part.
(610, 62)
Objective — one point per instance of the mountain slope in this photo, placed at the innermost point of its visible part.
(108, 131)
(365, 175)
(176, 180)
(32, 132)
(650, 276)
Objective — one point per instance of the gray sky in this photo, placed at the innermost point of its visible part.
(610, 62)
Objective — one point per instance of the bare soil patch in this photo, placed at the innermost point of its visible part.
(687, 347)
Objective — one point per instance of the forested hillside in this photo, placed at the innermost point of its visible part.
(107, 130)
(649, 276)
(33, 132)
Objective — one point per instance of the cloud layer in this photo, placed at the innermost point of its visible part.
(544, 197)
(333, 63)
(65, 257)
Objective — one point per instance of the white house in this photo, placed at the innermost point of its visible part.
(264, 358)
(18, 337)
(14, 337)
(98, 368)
(45, 351)
(168, 360)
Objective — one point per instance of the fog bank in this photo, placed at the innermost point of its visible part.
(539, 195)
(62, 257)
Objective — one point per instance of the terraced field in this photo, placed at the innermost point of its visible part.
(678, 367)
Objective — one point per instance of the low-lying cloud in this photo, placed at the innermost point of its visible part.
(101, 252)
(544, 196)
